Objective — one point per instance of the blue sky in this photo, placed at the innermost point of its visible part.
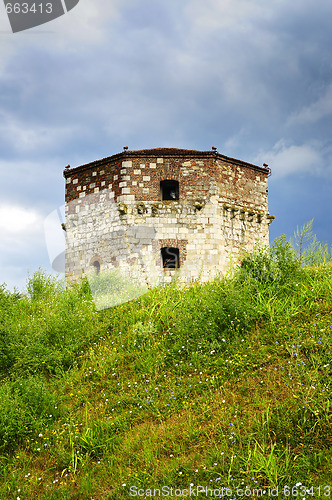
(253, 78)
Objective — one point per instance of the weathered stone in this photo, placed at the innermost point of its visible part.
(220, 208)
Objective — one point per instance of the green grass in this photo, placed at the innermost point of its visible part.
(223, 384)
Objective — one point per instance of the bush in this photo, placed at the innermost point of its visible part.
(24, 406)
(43, 287)
(47, 331)
(269, 265)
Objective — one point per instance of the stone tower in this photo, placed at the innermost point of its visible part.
(164, 212)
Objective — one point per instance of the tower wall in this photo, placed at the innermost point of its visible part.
(115, 214)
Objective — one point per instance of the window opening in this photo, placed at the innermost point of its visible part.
(170, 257)
(96, 265)
(169, 190)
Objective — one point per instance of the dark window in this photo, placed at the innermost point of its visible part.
(170, 257)
(169, 190)
(96, 265)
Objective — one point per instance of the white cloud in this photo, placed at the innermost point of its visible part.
(21, 232)
(22, 244)
(284, 159)
(18, 220)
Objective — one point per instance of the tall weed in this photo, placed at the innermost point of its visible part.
(277, 264)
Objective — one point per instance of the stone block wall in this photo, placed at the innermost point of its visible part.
(115, 214)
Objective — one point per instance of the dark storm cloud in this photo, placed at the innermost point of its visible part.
(297, 200)
(251, 77)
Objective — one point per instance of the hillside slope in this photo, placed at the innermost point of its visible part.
(221, 385)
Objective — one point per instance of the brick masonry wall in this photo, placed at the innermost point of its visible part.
(114, 212)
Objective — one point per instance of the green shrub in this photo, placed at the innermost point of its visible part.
(47, 331)
(269, 265)
(42, 286)
(24, 406)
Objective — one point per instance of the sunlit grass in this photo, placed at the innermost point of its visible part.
(224, 384)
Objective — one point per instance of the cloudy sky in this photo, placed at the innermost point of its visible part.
(252, 77)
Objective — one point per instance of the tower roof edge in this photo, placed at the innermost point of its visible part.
(163, 152)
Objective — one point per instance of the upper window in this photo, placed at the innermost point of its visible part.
(170, 257)
(169, 190)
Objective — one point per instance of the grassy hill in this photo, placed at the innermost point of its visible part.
(218, 385)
